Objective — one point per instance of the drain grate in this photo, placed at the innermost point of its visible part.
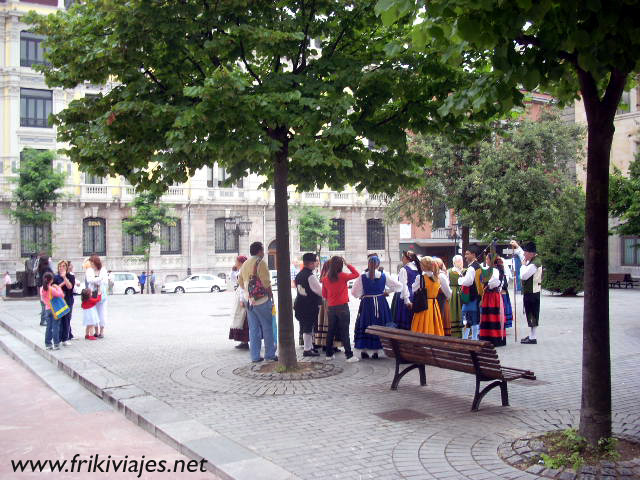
(402, 415)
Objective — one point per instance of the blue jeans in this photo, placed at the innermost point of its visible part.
(260, 324)
(43, 317)
(53, 329)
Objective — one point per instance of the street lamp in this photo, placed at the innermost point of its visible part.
(453, 235)
(241, 227)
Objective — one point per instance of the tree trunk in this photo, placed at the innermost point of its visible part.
(286, 343)
(595, 412)
(595, 409)
(465, 239)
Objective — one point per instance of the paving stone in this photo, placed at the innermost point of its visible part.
(327, 428)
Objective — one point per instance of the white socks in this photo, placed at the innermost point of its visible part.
(307, 338)
(532, 335)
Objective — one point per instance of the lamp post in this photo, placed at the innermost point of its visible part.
(453, 235)
(241, 227)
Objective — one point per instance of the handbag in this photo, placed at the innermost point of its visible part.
(420, 298)
(59, 306)
(255, 288)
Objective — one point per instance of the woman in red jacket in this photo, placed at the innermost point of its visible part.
(336, 291)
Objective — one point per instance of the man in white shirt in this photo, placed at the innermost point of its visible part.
(531, 278)
(471, 309)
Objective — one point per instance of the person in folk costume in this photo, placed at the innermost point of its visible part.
(239, 330)
(455, 305)
(308, 300)
(506, 300)
(430, 320)
(322, 324)
(443, 296)
(531, 277)
(403, 300)
(492, 320)
(374, 308)
(471, 294)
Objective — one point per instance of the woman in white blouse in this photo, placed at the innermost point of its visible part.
(443, 296)
(96, 275)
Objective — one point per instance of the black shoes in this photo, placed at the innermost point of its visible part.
(243, 346)
(257, 361)
(310, 353)
(364, 355)
(375, 356)
(529, 341)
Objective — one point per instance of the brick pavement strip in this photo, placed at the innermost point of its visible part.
(176, 378)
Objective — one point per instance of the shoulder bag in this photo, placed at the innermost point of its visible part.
(59, 307)
(420, 298)
(255, 288)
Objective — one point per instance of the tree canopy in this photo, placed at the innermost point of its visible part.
(316, 229)
(37, 186)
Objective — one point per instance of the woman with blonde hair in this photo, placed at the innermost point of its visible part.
(444, 295)
(455, 303)
(428, 321)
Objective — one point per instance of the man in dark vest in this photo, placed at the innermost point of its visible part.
(531, 277)
(471, 309)
(308, 301)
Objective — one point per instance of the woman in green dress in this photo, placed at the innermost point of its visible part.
(455, 305)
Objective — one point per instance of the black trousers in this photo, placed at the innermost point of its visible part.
(532, 308)
(339, 319)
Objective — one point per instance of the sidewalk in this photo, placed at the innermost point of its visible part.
(37, 424)
(167, 362)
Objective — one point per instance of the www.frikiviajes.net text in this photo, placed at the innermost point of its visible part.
(106, 464)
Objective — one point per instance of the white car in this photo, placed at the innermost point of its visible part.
(125, 283)
(196, 283)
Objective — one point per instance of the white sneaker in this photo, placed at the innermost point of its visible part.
(66, 344)
(353, 359)
(328, 359)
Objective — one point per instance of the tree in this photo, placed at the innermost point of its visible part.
(570, 48)
(38, 186)
(286, 90)
(624, 199)
(316, 229)
(561, 244)
(503, 186)
(144, 224)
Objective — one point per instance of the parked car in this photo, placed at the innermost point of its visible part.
(125, 283)
(195, 283)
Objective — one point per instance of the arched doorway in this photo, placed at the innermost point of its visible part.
(272, 256)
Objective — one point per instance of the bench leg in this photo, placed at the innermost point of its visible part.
(479, 395)
(504, 392)
(423, 375)
(398, 375)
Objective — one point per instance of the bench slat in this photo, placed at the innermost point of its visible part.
(429, 340)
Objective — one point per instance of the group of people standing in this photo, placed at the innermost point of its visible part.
(470, 302)
(61, 285)
(466, 303)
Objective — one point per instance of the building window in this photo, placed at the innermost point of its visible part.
(94, 238)
(131, 243)
(222, 176)
(375, 234)
(226, 240)
(91, 179)
(35, 107)
(171, 238)
(338, 228)
(34, 238)
(439, 217)
(31, 49)
(631, 251)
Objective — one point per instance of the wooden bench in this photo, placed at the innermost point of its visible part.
(620, 279)
(469, 356)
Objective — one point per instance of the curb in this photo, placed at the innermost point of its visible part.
(225, 458)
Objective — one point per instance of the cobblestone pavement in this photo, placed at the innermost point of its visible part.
(176, 348)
